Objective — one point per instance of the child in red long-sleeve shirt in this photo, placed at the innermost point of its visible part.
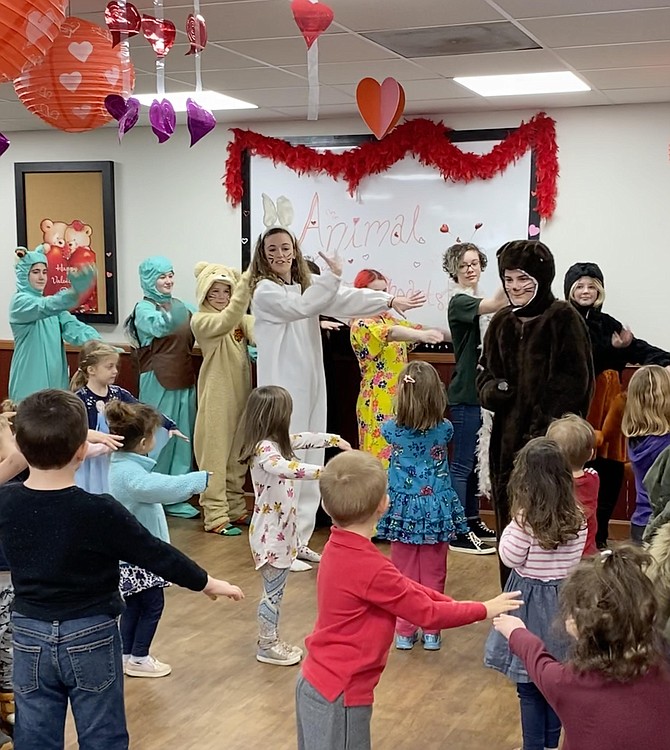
(613, 692)
(360, 593)
(577, 440)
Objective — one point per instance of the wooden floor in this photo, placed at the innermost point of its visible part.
(218, 696)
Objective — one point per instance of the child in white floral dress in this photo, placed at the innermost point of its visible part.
(273, 535)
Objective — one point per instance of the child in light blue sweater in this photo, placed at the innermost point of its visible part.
(134, 484)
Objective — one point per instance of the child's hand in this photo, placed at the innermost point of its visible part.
(113, 442)
(330, 325)
(431, 336)
(215, 588)
(178, 434)
(343, 445)
(507, 624)
(503, 603)
(623, 339)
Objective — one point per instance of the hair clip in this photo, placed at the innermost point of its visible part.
(408, 379)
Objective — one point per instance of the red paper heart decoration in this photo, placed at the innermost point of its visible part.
(312, 19)
(159, 34)
(122, 20)
(196, 31)
(381, 106)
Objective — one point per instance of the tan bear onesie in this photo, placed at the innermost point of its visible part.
(224, 385)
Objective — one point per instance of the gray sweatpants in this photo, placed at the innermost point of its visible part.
(326, 725)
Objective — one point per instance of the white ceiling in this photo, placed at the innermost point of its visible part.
(255, 52)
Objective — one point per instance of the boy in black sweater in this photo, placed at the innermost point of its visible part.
(63, 546)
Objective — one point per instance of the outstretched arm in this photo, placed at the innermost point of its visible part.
(273, 303)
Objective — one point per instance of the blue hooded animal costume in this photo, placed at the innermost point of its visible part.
(40, 325)
(160, 325)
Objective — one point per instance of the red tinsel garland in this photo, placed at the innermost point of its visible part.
(425, 139)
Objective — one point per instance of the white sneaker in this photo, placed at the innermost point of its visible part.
(150, 668)
(281, 654)
(298, 566)
(295, 649)
(305, 553)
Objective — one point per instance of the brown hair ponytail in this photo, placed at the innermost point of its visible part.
(132, 421)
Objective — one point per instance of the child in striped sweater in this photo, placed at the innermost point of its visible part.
(542, 544)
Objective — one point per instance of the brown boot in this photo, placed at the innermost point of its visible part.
(7, 709)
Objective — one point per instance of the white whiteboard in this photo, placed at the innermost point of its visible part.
(393, 224)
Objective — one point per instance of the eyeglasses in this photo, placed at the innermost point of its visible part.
(465, 267)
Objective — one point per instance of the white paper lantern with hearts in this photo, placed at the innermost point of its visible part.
(68, 88)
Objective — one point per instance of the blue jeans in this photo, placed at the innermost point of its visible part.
(140, 619)
(467, 420)
(540, 726)
(75, 660)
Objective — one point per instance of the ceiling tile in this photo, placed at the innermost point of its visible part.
(436, 88)
(492, 63)
(624, 78)
(617, 55)
(546, 101)
(287, 97)
(402, 70)
(638, 95)
(543, 8)
(602, 28)
(250, 79)
(291, 51)
(213, 58)
(234, 21)
(401, 14)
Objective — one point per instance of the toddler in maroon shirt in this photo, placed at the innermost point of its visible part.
(577, 439)
(360, 593)
(613, 693)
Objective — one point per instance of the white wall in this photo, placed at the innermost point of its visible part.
(613, 199)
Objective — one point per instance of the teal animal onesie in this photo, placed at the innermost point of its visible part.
(161, 325)
(40, 325)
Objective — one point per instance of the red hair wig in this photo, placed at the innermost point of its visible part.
(365, 277)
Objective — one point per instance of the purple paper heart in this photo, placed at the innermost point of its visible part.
(4, 143)
(163, 119)
(116, 106)
(130, 118)
(200, 121)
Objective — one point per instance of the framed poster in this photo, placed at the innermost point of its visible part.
(69, 207)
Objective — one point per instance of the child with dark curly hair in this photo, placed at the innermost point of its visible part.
(614, 690)
(542, 544)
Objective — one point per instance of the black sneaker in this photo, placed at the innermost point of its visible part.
(481, 530)
(471, 544)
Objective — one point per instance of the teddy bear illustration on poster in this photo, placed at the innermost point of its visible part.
(68, 247)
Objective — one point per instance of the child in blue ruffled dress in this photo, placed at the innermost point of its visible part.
(424, 512)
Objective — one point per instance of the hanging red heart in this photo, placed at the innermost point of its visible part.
(122, 20)
(196, 31)
(312, 19)
(380, 105)
(159, 34)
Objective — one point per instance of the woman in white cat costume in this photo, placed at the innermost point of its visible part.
(286, 303)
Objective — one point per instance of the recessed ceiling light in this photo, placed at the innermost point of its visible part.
(208, 99)
(526, 83)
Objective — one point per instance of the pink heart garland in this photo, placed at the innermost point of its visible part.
(159, 34)
(380, 105)
(122, 20)
(196, 31)
(163, 119)
(199, 120)
(312, 19)
(126, 112)
(4, 143)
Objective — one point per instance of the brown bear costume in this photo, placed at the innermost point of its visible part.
(536, 366)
